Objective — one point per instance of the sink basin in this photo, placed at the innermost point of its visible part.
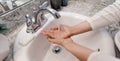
(117, 40)
(35, 47)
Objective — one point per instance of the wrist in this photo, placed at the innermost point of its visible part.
(67, 42)
(72, 32)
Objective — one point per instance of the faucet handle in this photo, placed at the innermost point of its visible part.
(28, 20)
(29, 23)
(27, 16)
(34, 9)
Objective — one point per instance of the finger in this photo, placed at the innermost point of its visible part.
(54, 28)
(51, 31)
(56, 41)
(45, 32)
(62, 27)
(51, 40)
(50, 35)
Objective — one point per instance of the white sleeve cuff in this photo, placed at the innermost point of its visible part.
(98, 56)
(92, 56)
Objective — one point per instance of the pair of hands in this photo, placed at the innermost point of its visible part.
(58, 34)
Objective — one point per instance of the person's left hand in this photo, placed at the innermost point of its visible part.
(60, 41)
(61, 31)
(55, 36)
(51, 33)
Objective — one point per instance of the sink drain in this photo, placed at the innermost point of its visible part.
(99, 50)
(56, 49)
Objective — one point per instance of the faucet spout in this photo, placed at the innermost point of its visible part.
(53, 12)
(44, 7)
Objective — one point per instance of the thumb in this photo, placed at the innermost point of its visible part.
(44, 32)
(54, 28)
(52, 40)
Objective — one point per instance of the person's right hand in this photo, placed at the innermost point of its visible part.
(61, 31)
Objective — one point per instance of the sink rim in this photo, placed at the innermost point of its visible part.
(117, 40)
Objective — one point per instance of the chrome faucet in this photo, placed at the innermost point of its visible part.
(38, 18)
(29, 24)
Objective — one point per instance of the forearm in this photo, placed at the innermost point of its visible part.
(105, 17)
(82, 53)
(81, 28)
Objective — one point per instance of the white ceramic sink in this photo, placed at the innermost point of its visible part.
(117, 40)
(35, 47)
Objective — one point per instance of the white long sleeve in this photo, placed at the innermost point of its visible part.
(107, 16)
(97, 56)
